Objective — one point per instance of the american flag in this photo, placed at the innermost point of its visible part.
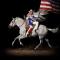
(55, 6)
(49, 5)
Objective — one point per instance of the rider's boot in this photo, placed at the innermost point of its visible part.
(27, 34)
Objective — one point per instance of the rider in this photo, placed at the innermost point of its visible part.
(31, 21)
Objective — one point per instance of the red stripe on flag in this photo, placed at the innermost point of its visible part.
(46, 9)
(46, 5)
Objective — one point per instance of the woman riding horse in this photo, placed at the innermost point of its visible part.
(31, 21)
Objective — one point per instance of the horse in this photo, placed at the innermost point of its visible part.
(41, 31)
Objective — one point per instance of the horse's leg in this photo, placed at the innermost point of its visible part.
(20, 37)
(48, 43)
(41, 41)
(38, 45)
(15, 40)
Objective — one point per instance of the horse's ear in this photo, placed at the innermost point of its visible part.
(13, 18)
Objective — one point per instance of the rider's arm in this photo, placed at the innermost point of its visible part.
(27, 18)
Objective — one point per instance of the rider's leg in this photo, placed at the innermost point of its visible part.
(29, 30)
(36, 25)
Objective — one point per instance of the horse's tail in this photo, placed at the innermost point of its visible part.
(53, 30)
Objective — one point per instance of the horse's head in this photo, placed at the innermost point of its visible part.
(12, 23)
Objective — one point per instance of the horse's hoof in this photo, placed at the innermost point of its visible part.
(21, 43)
(12, 44)
(50, 46)
(35, 48)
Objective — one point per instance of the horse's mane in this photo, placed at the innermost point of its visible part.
(19, 18)
(19, 21)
